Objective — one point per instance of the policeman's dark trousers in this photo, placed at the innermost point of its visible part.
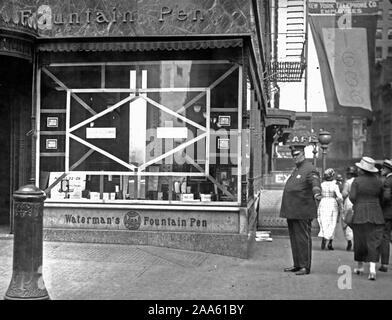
(386, 238)
(367, 242)
(301, 242)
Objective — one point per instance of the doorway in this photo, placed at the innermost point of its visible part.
(15, 130)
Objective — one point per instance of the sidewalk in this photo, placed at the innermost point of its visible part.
(80, 271)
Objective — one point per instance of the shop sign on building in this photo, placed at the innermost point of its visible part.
(142, 220)
(333, 7)
(281, 177)
(283, 151)
(299, 137)
(84, 18)
(296, 137)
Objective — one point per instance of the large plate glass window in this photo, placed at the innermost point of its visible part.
(161, 130)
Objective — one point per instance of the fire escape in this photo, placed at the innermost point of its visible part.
(289, 71)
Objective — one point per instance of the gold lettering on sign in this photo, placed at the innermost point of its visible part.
(24, 16)
(179, 222)
(74, 17)
(180, 15)
(164, 11)
(101, 17)
(196, 13)
(58, 19)
(129, 16)
(88, 15)
(114, 15)
(46, 18)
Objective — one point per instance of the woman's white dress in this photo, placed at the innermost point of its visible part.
(347, 206)
(328, 210)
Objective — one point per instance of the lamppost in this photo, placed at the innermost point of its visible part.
(324, 139)
(314, 142)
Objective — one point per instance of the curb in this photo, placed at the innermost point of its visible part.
(283, 231)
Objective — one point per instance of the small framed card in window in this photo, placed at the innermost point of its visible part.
(52, 122)
(223, 144)
(224, 121)
(51, 144)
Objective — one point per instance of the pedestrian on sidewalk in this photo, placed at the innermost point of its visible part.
(328, 210)
(351, 174)
(339, 181)
(299, 207)
(368, 221)
(386, 171)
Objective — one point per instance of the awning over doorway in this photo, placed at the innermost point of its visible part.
(75, 46)
(17, 39)
(279, 117)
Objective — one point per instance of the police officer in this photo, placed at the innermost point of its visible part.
(299, 206)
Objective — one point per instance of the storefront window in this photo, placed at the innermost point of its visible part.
(162, 130)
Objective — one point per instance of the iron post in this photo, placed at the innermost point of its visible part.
(27, 273)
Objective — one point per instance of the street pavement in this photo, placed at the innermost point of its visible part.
(85, 271)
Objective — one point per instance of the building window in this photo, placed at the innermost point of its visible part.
(379, 33)
(378, 52)
(379, 14)
(140, 131)
(390, 33)
(389, 51)
(390, 14)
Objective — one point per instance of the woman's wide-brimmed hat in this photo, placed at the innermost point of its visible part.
(367, 164)
(387, 164)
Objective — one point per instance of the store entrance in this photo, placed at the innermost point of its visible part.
(15, 133)
(5, 147)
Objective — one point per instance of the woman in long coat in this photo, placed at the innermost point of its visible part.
(328, 209)
(368, 221)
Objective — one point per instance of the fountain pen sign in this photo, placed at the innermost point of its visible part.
(47, 18)
(146, 220)
(85, 18)
(133, 221)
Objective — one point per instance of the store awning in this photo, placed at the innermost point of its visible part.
(279, 117)
(17, 39)
(75, 46)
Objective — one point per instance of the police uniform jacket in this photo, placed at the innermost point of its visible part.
(298, 194)
(387, 197)
(366, 195)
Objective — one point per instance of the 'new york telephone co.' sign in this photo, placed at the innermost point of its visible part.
(85, 18)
